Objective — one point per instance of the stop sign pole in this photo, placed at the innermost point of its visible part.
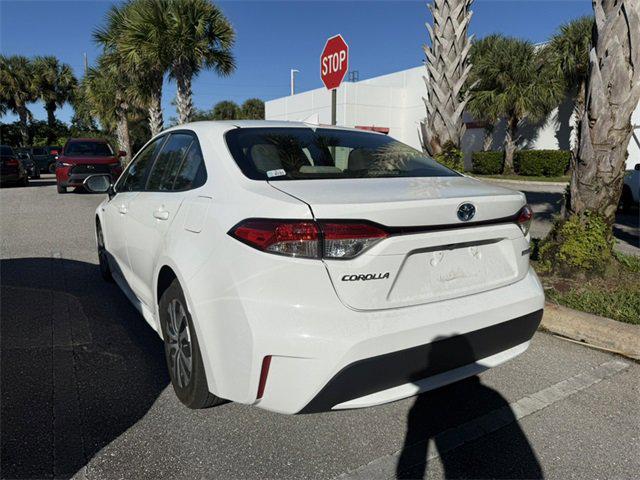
(334, 63)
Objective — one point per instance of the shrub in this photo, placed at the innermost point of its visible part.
(542, 163)
(487, 163)
(451, 157)
(579, 243)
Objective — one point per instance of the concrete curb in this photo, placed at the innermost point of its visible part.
(520, 182)
(602, 332)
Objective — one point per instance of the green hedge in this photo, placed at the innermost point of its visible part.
(535, 163)
(487, 163)
(542, 163)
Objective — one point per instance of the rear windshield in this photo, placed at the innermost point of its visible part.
(302, 153)
(6, 151)
(88, 149)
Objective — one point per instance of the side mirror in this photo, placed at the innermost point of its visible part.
(98, 183)
(122, 153)
(637, 167)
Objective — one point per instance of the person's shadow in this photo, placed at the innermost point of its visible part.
(446, 416)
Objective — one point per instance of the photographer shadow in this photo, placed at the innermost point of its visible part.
(443, 430)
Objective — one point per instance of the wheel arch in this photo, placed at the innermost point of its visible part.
(165, 277)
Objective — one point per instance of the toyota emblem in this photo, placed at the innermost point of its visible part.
(466, 212)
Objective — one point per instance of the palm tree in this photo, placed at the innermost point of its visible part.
(447, 71)
(613, 92)
(17, 89)
(137, 33)
(226, 110)
(510, 80)
(110, 95)
(200, 37)
(568, 50)
(55, 83)
(252, 109)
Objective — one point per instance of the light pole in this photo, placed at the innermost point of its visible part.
(293, 81)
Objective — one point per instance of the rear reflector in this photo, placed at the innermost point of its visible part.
(264, 372)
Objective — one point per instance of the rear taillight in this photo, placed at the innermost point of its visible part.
(525, 217)
(347, 240)
(285, 237)
(308, 239)
(12, 162)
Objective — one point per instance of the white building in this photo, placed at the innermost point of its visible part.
(393, 103)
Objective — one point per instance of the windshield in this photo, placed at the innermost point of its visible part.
(302, 153)
(88, 149)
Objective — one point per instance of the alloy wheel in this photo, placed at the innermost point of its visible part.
(179, 343)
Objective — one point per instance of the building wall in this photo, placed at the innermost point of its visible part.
(395, 101)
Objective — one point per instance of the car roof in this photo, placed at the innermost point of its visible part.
(225, 125)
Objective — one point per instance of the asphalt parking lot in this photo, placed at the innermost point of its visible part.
(85, 393)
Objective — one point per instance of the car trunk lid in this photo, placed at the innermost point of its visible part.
(430, 254)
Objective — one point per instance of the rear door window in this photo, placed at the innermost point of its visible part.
(134, 179)
(192, 172)
(169, 161)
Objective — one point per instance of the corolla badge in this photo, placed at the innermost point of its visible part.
(466, 212)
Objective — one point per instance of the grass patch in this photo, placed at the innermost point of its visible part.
(613, 294)
(622, 304)
(525, 178)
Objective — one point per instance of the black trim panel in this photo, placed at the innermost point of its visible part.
(379, 373)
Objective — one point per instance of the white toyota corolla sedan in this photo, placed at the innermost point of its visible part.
(304, 268)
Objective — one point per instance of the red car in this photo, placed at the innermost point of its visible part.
(82, 157)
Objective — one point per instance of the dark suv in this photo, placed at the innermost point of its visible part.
(11, 169)
(82, 157)
(43, 157)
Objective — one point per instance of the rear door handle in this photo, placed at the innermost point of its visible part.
(161, 214)
(122, 209)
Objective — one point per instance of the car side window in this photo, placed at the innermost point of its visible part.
(134, 179)
(168, 162)
(192, 172)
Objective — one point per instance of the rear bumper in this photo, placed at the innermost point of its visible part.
(327, 356)
(385, 372)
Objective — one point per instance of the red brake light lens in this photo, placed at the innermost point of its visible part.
(525, 217)
(12, 162)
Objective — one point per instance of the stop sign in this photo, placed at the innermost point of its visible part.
(334, 62)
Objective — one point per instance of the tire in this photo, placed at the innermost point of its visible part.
(61, 189)
(180, 340)
(626, 200)
(24, 182)
(52, 167)
(103, 256)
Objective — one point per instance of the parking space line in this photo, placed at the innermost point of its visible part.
(448, 440)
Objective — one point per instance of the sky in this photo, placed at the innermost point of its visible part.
(276, 36)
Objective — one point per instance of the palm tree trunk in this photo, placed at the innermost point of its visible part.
(612, 96)
(23, 116)
(50, 107)
(122, 130)
(578, 112)
(156, 122)
(510, 146)
(184, 98)
(447, 70)
(488, 138)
